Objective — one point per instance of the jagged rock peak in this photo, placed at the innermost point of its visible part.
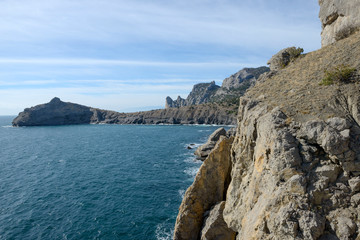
(339, 19)
(179, 102)
(244, 75)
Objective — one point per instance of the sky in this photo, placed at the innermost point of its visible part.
(129, 55)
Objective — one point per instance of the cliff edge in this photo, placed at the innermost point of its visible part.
(294, 170)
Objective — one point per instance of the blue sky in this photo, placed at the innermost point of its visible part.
(129, 55)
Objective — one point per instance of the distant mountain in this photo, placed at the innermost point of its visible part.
(232, 87)
(57, 112)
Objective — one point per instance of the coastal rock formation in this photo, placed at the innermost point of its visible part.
(215, 227)
(339, 19)
(179, 102)
(57, 112)
(295, 158)
(202, 93)
(208, 189)
(203, 151)
(232, 87)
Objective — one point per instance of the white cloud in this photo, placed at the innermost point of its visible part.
(107, 53)
(245, 23)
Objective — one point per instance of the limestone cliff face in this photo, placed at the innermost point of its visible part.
(242, 77)
(207, 190)
(339, 18)
(295, 158)
(232, 87)
(292, 181)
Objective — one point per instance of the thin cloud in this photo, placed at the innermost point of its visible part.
(71, 61)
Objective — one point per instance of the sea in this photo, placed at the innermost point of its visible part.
(95, 181)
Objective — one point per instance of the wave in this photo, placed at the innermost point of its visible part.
(192, 171)
(163, 232)
(182, 193)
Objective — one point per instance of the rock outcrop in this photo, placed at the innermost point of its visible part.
(232, 87)
(339, 19)
(202, 93)
(204, 150)
(214, 227)
(242, 77)
(208, 189)
(283, 58)
(57, 112)
(295, 158)
(179, 102)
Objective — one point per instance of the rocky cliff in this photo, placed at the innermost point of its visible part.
(57, 112)
(339, 19)
(232, 87)
(293, 169)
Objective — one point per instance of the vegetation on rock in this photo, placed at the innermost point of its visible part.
(338, 74)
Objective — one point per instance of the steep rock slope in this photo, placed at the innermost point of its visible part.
(339, 19)
(295, 159)
(243, 76)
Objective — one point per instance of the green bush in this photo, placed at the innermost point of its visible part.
(295, 52)
(339, 74)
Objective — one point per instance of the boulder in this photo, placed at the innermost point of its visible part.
(204, 150)
(283, 58)
(215, 227)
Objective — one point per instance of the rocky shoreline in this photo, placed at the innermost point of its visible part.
(292, 170)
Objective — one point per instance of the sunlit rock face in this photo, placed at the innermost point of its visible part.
(339, 19)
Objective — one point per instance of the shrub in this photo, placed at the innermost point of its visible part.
(289, 55)
(295, 52)
(339, 74)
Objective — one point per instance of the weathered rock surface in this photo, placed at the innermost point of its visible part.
(283, 58)
(201, 93)
(290, 181)
(246, 75)
(63, 113)
(215, 227)
(339, 18)
(295, 158)
(208, 189)
(179, 102)
(204, 150)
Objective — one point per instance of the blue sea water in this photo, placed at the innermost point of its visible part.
(94, 181)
